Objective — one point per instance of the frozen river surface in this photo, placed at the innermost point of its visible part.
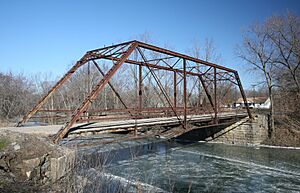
(213, 168)
(154, 165)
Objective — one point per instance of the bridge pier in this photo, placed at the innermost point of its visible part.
(244, 132)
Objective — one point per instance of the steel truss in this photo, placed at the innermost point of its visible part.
(182, 66)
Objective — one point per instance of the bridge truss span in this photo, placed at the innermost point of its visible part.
(140, 81)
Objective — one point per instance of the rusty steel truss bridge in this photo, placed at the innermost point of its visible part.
(185, 74)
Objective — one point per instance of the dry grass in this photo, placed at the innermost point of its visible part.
(286, 133)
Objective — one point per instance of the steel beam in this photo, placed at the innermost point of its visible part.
(119, 54)
(112, 87)
(176, 54)
(215, 95)
(99, 87)
(82, 61)
(140, 87)
(206, 91)
(160, 86)
(147, 64)
(184, 95)
(243, 93)
(175, 90)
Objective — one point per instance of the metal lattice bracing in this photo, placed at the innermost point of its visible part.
(184, 70)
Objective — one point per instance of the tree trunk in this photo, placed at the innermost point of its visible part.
(296, 81)
(271, 118)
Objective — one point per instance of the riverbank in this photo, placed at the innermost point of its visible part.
(283, 136)
(32, 163)
(27, 163)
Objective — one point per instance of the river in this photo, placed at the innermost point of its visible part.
(195, 167)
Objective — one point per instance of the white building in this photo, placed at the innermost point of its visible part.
(254, 102)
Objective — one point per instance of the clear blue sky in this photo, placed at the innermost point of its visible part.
(47, 36)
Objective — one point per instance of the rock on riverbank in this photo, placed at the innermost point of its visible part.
(30, 163)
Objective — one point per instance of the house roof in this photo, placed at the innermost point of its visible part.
(253, 100)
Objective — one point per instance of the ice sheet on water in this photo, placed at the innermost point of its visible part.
(214, 168)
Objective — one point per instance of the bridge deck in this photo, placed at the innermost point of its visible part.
(109, 126)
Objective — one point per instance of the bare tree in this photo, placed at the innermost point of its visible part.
(258, 51)
(284, 32)
(207, 52)
(273, 48)
(16, 95)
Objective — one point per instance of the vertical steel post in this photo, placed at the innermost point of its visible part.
(215, 93)
(140, 88)
(175, 90)
(88, 87)
(112, 87)
(184, 94)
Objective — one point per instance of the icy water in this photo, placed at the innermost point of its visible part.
(154, 165)
(211, 168)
